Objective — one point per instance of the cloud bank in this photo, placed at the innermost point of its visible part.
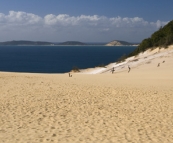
(63, 27)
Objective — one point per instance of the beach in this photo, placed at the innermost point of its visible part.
(93, 106)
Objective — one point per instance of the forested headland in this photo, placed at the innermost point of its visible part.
(161, 38)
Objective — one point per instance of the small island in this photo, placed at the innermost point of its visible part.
(120, 43)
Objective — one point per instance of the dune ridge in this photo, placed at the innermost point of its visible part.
(156, 54)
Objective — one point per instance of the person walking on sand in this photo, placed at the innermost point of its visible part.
(113, 70)
(69, 74)
(158, 65)
(129, 68)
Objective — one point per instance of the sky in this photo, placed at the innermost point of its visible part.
(82, 20)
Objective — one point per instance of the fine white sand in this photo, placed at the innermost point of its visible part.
(91, 107)
(155, 55)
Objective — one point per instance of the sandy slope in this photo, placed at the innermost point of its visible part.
(156, 55)
(121, 107)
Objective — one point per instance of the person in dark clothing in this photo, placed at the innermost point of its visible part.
(129, 68)
(113, 70)
(158, 65)
(69, 74)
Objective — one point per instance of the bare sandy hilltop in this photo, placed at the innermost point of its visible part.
(93, 106)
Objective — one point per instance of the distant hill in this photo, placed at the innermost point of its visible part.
(161, 38)
(96, 43)
(21, 42)
(119, 43)
(72, 43)
(39, 43)
(67, 43)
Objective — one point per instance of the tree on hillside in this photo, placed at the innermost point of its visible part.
(161, 38)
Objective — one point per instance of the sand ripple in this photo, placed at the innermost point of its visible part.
(36, 108)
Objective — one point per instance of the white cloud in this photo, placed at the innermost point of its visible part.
(128, 22)
(20, 18)
(62, 27)
(158, 23)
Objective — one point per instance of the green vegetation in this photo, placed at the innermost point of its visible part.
(122, 58)
(161, 38)
(101, 65)
(75, 69)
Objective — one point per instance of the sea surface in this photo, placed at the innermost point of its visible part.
(58, 59)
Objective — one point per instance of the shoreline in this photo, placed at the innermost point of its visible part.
(76, 45)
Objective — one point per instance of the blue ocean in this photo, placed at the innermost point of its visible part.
(58, 59)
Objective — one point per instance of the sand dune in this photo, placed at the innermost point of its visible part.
(156, 55)
(101, 108)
